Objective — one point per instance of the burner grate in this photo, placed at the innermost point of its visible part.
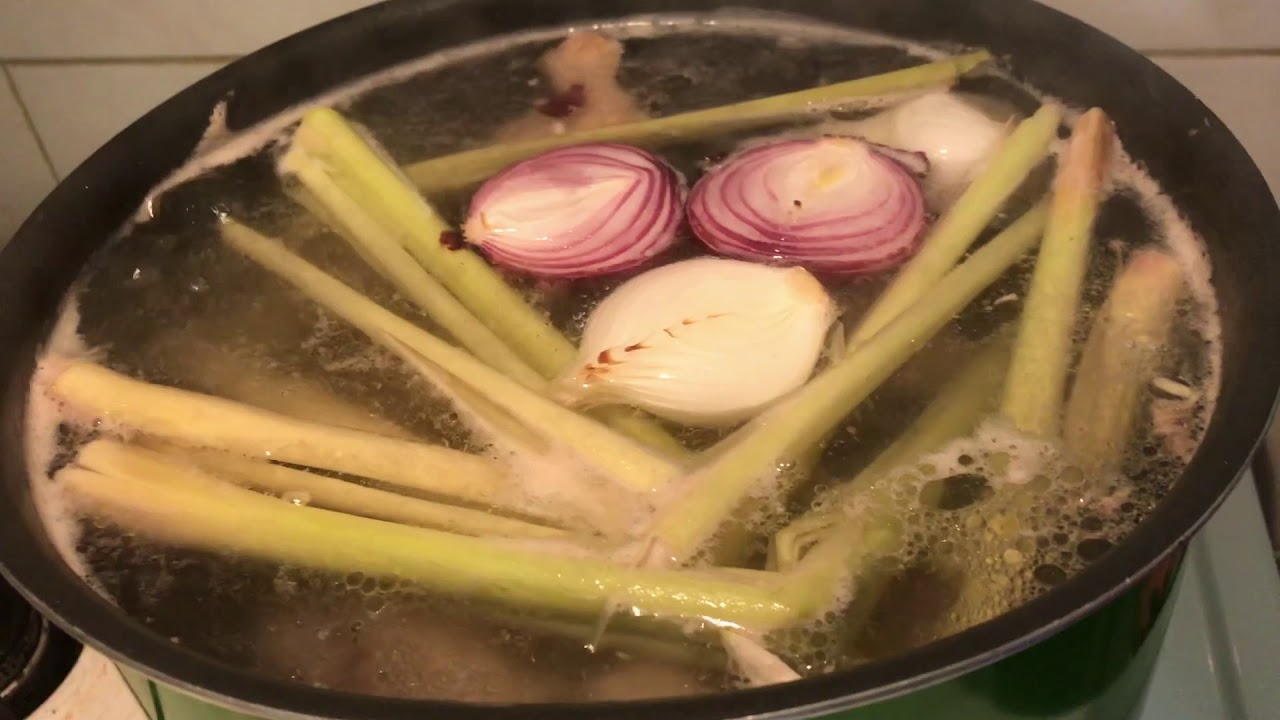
(35, 656)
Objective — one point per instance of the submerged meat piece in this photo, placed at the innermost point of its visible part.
(590, 59)
(1174, 422)
(581, 73)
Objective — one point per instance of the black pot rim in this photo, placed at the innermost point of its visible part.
(94, 621)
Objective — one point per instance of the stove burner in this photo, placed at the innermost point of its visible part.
(35, 656)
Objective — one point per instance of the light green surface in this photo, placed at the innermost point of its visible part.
(163, 703)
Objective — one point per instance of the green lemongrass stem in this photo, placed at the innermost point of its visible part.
(223, 374)
(1036, 386)
(381, 250)
(954, 412)
(852, 555)
(203, 421)
(315, 490)
(220, 517)
(578, 500)
(787, 429)
(1121, 356)
(613, 454)
(384, 254)
(454, 172)
(675, 650)
(357, 170)
(490, 422)
(642, 428)
(953, 233)
(853, 552)
(946, 242)
(1123, 353)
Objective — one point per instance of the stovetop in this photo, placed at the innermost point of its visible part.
(1220, 659)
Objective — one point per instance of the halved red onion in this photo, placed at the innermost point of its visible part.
(578, 211)
(829, 204)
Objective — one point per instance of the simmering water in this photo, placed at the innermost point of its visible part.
(166, 302)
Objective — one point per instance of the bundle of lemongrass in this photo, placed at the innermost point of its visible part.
(205, 469)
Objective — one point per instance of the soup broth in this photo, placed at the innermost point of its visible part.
(166, 301)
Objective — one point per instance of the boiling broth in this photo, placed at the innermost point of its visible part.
(167, 302)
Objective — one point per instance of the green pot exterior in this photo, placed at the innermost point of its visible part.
(1097, 669)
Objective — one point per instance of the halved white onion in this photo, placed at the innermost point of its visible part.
(954, 133)
(707, 341)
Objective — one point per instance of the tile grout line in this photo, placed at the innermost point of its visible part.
(29, 121)
(1212, 53)
(21, 61)
(117, 60)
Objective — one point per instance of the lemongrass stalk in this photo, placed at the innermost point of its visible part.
(869, 531)
(613, 454)
(224, 374)
(381, 250)
(203, 421)
(946, 242)
(111, 458)
(491, 423)
(675, 650)
(954, 412)
(865, 531)
(1035, 388)
(642, 428)
(454, 172)
(851, 556)
(576, 499)
(213, 516)
(1126, 344)
(357, 169)
(953, 233)
(788, 428)
(1121, 356)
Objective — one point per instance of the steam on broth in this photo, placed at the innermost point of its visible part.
(943, 529)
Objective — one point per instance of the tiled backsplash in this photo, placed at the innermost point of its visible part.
(75, 108)
(77, 71)
(56, 29)
(25, 177)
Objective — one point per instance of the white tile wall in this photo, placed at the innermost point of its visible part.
(149, 28)
(24, 175)
(129, 28)
(77, 108)
(1182, 24)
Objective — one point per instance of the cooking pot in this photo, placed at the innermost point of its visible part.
(1083, 649)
